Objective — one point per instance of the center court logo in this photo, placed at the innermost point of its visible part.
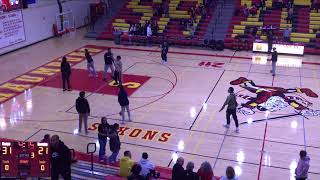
(274, 99)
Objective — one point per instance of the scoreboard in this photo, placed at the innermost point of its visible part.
(24, 159)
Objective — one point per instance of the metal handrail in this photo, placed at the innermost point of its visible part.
(91, 153)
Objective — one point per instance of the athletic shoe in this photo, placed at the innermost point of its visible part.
(226, 125)
(237, 130)
(64, 89)
(69, 89)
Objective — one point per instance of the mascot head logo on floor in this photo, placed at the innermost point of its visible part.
(274, 99)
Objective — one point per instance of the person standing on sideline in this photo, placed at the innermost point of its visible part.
(274, 59)
(114, 143)
(205, 171)
(103, 130)
(108, 63)
(189, 174)
(46, 139)
(164, 52)
(178, 170)
(303, 166)
(65, 74)
(118, 71)
(83, 109)
(231, 101)
(124, 103)
(90, 64)
(60, 157)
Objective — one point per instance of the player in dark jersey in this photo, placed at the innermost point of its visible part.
(108, 63)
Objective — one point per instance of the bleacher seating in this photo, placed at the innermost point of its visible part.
(304, 26)
(136, 11)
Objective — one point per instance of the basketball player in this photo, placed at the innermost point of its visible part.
(90, 64)
(108, 63)
(231, 101)
(164, 52)
(118, 71)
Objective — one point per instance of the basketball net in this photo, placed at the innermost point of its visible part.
(65, 23)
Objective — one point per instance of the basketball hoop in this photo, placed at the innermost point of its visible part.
(65, 23)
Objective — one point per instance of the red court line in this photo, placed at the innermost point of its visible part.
(262, 150)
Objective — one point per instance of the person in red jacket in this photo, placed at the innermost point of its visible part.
(205, 172)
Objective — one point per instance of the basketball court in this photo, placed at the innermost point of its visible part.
(174, 107)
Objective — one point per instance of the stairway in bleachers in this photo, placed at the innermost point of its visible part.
(219, 23)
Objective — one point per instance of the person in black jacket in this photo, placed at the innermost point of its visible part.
(135, 173)
(178, 170)
(114, 143)
(124, 102)
(65, 74)
(108, 63)
(60, 157)
(189, 174)
(103, 130)
(274, 59)
(164, 51)
(83, 109)
(90, 64)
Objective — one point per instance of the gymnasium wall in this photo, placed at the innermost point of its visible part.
(38, 20)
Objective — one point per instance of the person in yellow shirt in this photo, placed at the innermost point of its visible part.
(126, 164)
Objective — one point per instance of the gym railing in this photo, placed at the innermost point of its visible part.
(91, 152)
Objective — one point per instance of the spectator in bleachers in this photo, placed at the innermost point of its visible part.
(205, 171)
(286, 34)
(270, 40)
(132, 30)
(165, 7)
(289, 5)
(290, 15)
(155, 28)
(303, 166)
(199, 9)
(278, 4)
(149, 34)
(178, 170)
(103, 131)
(146, 165)
(135, 173)
(114, 143)
(138, 29)
(46, 139)
(315, 5)
(261, 4)
(189, 174)
(126, 164)
(253, 10)
(245, 10)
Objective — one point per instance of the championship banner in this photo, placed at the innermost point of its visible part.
(11, 28)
